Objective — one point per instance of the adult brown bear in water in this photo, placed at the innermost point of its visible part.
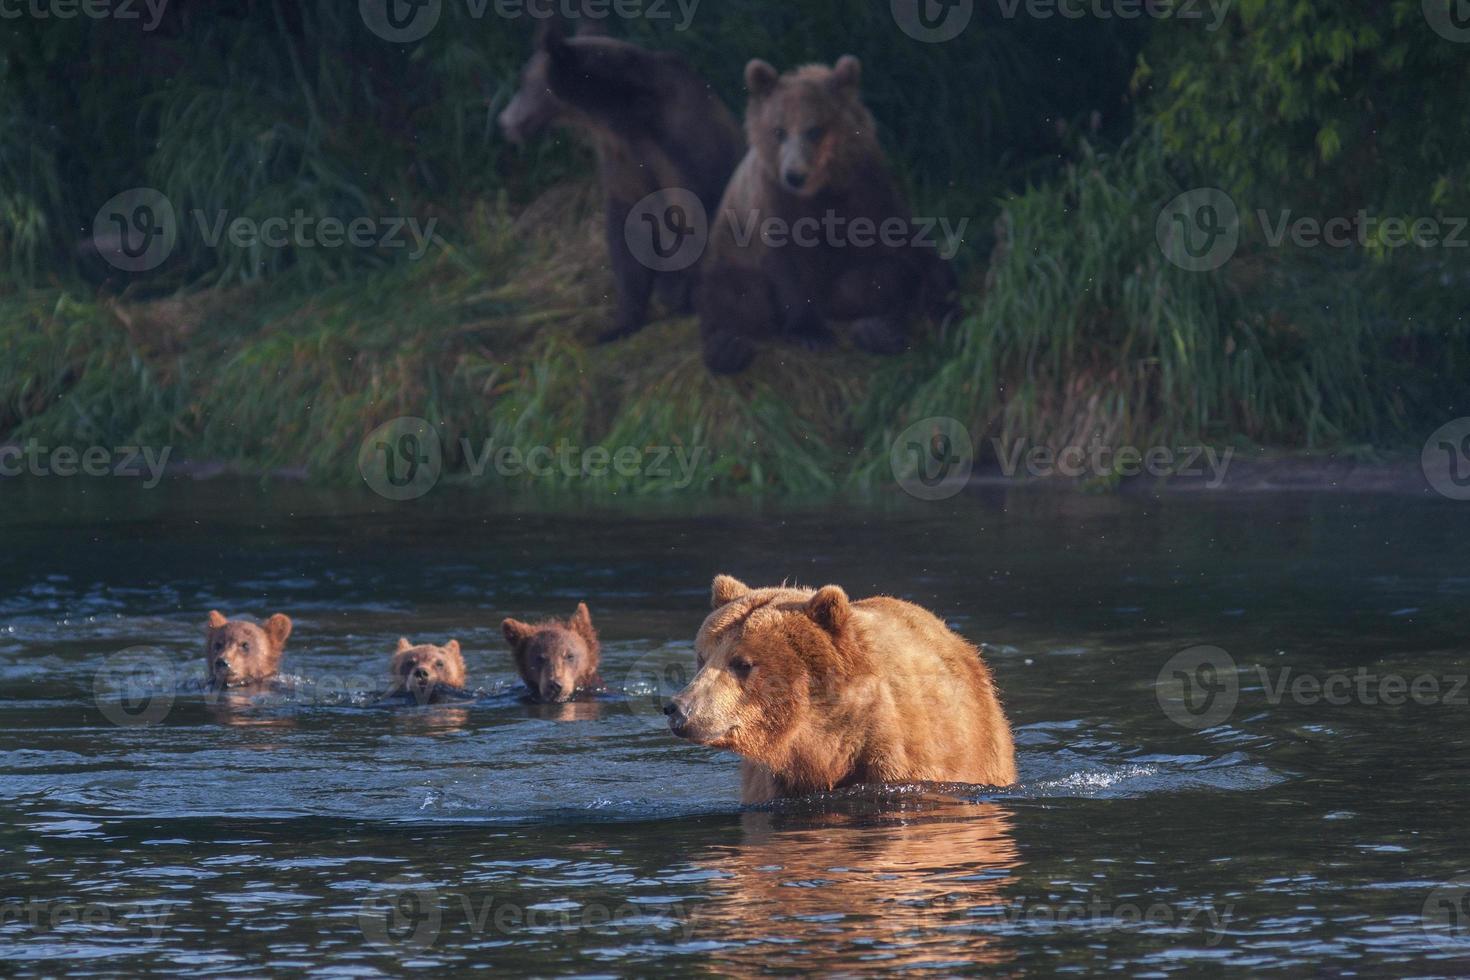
(813, 227)
(655, 126)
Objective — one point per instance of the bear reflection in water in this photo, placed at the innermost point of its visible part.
(916, 888)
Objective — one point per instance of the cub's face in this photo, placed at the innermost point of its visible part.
(238, 653)
(555, 659)
(764, 659)
(420, 669)
(797, 122)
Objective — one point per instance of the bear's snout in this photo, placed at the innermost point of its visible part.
(795, 179)
(420, 674)
(221, 665)
(678, 717)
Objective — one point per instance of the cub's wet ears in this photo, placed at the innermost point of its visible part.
(452, 647)
(216, 619)
(403, 645)
(726, 588)
(516, 632)
(848, 73)
(278, 627)
(582, 622)
(829, 608)
(760, 77)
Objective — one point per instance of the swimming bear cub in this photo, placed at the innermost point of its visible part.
(426, 672)
(556, 658)
(817, 692)
(238, 653)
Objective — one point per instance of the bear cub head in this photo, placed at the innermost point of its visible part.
(424, 670)
(556, 658)
(808, 127)
(237, 653)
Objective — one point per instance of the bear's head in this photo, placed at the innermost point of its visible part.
(421, 670)
(238, 653)
(535, 105)
(767, 659)
(808, 127)
(556, 658)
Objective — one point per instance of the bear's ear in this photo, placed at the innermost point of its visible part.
(516, 632)
(829, 608)
(278, 627)
(726, 588)
(582, 620)
(403, 645)
(848, 73)
(216, 619)
(452, 648)
(760, 77)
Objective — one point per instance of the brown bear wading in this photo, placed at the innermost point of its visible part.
(654, 124)
(815, 173)
(423, 670)
(556, 658)
(237, 653)
(817, 692)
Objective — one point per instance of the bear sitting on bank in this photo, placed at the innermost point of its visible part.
(817, 692)
(655, 126)
(239, 653)
(557, 659)
(426, 672)
(812, 228)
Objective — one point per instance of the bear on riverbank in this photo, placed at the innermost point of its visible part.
(238, 653)
(557, 658)
(813, 228)
(817, 692)
(426, 672)
(655, 126)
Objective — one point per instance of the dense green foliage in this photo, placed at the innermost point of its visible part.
(1058, 139)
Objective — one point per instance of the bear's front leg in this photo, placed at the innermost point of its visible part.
(632, 280)
(802, 316)
(878, 296)
(735, 306)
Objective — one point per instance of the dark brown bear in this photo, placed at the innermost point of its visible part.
(238, 653)
(813, 228)
(556, 658)
(654, 124)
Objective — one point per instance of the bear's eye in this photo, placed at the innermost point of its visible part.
(741, 668)
(780, 135)
(439, 664)
(816, 133)
(245, 646)
(219, 644)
